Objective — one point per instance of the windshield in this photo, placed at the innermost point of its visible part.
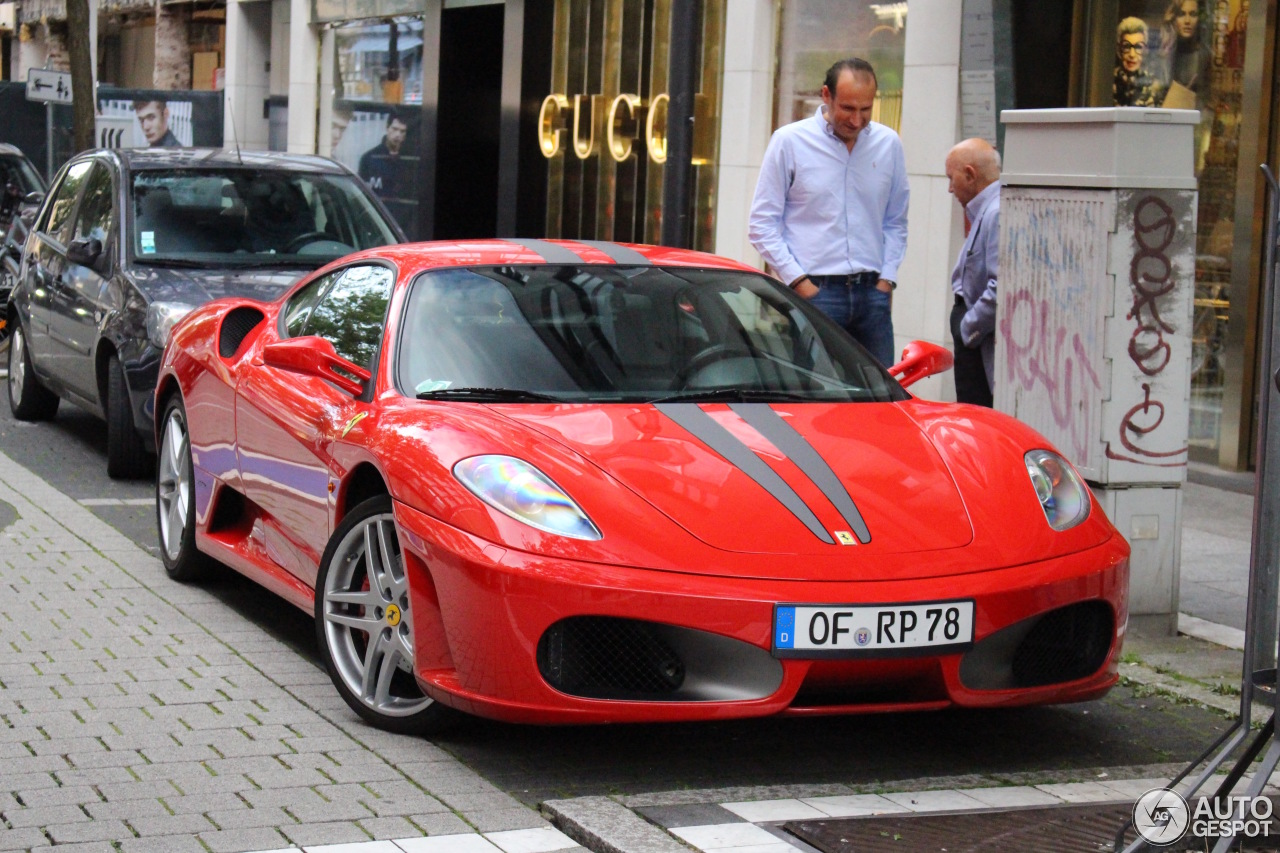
(16, 172)
(587, 333)
(251, 217)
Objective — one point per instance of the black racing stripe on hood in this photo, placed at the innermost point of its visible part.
(795, 447)
(551, 253)
(705, 429)
(619, 254)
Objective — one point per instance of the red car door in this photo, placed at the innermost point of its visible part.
(287, 422)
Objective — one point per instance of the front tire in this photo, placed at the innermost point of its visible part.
(29, 400)
(364, 626)
(127, 457)
(175, 498)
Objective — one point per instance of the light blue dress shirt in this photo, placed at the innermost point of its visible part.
(821, 209)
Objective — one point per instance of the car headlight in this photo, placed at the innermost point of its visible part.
(162, 317)
(1063, 495)
(521, 491)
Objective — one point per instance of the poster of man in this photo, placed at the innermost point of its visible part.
(379, 142)
(153, 117)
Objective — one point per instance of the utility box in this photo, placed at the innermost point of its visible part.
(1094, 314)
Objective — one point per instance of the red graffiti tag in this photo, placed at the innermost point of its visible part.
(1047, 358)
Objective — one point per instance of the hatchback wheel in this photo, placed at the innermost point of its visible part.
(175, 498)
(127, 457)
(29, 400)
(364, 624)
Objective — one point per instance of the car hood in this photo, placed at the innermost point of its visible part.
(197, 286)
(774, 479)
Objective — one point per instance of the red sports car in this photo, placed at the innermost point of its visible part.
(563, 482)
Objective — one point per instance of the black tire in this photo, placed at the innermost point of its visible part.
(175, 498)
(375, 609)
(127, 457)
(29, 400)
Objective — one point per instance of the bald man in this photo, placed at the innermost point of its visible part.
(973, 173)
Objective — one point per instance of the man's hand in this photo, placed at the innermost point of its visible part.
(804, 287)
(886, 286)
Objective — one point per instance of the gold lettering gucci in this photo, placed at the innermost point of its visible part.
(622, 123)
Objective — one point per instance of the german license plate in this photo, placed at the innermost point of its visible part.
(877, 630)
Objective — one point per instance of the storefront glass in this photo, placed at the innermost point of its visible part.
(1189, 54)
(818, 33)
(603, 128)
(377, 114)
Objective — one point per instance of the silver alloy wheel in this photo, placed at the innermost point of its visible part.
(173, 484)
(368, 628)
(17, 364)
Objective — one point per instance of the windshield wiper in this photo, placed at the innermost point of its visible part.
(491, 395)
(184, 263)
(733, 395)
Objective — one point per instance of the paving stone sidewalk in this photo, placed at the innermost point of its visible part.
(137, 714)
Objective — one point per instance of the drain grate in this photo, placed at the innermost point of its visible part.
(1055, 829)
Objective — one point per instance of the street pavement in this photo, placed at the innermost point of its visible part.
(137, 714)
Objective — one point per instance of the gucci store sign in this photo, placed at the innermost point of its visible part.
(603, 127)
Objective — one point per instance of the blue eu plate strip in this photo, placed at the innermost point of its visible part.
(784, 628)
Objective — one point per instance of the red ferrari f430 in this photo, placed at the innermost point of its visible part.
(580, 482)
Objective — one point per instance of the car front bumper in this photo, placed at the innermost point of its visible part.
(494, 628)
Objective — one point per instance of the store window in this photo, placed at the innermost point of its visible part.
(1189, 54)
(377, 110)
(818, 33)
(603, 126)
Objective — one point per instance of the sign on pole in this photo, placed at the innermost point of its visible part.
(48, 86)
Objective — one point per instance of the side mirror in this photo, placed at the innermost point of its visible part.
(921, 359)
(33, 199)
(86, 253)
(315, 356)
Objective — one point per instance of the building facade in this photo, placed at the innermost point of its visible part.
(551, 117)
(562, 109)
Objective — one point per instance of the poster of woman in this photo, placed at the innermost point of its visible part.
(1167, 51)
(1135, 84)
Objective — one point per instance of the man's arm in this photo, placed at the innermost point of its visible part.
(767, 206)
(980, 320)
(895, 218)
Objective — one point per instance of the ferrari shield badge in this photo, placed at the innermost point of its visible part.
(844, 537)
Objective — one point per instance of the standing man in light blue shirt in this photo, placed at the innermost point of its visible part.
(973, 175)
(830, 209)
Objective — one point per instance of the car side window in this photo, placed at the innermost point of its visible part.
(352, 314)
(302, 303)
(96, 207)
(65, 200)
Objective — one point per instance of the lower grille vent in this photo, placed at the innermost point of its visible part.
(602, 657)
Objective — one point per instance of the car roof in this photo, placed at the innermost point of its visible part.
(11, 150)
(413, 258)
(140, 159)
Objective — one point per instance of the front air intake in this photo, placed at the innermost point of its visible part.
(1061, 645)
(1065, 645)
(602, 657)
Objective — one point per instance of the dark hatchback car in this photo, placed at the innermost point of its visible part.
(128, 242)
(21, 190)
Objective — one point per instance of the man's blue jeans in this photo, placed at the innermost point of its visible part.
(861, 308)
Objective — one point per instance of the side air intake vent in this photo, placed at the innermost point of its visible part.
(236, 326)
